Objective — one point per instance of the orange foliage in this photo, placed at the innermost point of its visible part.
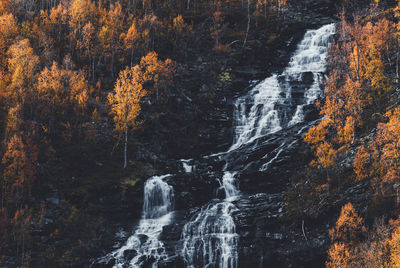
(86, 42)
(339, 256)
(80, 12)
(125, 102)
(5, 6)
(355, 88)
(130, 40)
(323, 150)
(22, 64)
(395, 247)
(157, 73)
(349, 227)
(344, 236)
(181, 33)
(8, 30)
(179, 24)
(132, 85)
(362, 163)
(109, 35)
(218, 27)
(380, 161)
(20, 169)
(60, 92)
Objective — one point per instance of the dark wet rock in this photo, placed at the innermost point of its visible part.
(142, 238)
(130, 254)
(266, 240)
(307, 78)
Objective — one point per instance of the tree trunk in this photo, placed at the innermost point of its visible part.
(23, 248)
(126, 145)
(112, 64)
(93, 78)
(3, 192)
(132, 56)
(302, 229)
(248, 23)
(157, 95)
(397, 61)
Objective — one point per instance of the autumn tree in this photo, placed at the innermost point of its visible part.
(149, 77)
(349, 227)
(130, 39)
(110, 32)
(325, 154)
(84, 18)
(80, 12)
(125, 102)
(181, 33)
(371, 252)
(157, 74)
(54, 34)
(218, 29)
(379, 160)
(395, 247)
(179, 25)
(339, 256)
(151, 28)
(346, 233)
(87, 44)
(22, 65)
(19, 172)
(362, 163)
(21, 230)
(5, 7)
(9, 31)
(61, 96)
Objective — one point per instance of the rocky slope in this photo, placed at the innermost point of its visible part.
(198, 122)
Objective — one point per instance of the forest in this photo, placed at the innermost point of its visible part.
(96, 96)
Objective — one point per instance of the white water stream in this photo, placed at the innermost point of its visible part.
(209, 238)
(158, 205)
(259, 112)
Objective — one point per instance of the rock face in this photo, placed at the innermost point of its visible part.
(261, 163)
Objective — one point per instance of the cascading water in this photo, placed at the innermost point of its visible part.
(210, 238)
(157, 212)
(277, 102)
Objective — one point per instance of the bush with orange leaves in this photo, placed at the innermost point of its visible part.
(379, 160)
(349, 227)
(380, 248)
(348, 230)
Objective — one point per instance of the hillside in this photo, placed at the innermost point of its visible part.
(199, 133)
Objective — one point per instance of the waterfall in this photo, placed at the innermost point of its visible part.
(158, 204)
(229, 184)
(158, 197)
(278, 101)
(210, 238)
